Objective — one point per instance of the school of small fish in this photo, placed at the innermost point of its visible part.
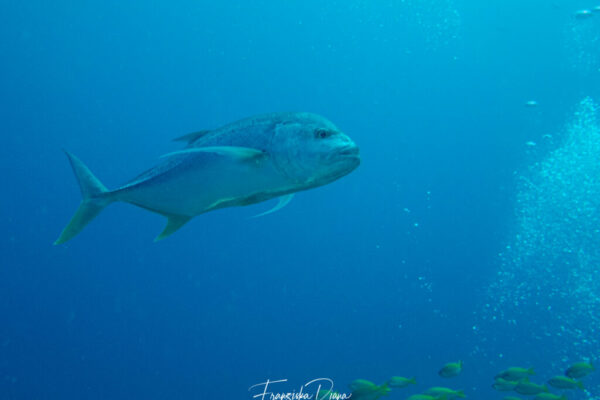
(511, 379)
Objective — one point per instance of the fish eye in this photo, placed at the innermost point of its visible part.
(322, 133)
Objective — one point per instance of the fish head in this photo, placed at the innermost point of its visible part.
(311, 151)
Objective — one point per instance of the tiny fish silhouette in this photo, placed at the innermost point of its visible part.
(451, 370)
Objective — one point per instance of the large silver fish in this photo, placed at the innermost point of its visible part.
(245, 162)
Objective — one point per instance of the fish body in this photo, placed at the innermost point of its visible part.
(563, 382)
(451, 369)
(401, 382)
(530, 388)
(504, 385)
(365, 390)
(549, 396)
(242, 163)
(359, 384)
(444, 392)
(579, 370)
(515, 373)
(422, 397)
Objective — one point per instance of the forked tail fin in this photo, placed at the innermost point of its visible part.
(94, 199)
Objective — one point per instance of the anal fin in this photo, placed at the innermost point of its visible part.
(174, 222)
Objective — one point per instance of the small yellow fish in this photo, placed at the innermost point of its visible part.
(515, 373)
(401, 382)
(362, 384)
(504, 385)
(530, 388)
(367, 390)
(422, 397)
(579, 370)
(562, 382)
(451, 369)
(444, 392)
(549, 396)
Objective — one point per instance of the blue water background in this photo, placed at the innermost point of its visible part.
(380, 273)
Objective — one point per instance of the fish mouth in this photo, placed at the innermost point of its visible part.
(348, 151)
(345, 160)
(337, 164)
(347, 156)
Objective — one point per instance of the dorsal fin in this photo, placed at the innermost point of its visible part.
(191, 137)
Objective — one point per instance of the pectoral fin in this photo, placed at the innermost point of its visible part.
(174, 222)
(239, 153)
(283, 201)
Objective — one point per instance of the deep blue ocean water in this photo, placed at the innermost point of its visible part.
(391, 270)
